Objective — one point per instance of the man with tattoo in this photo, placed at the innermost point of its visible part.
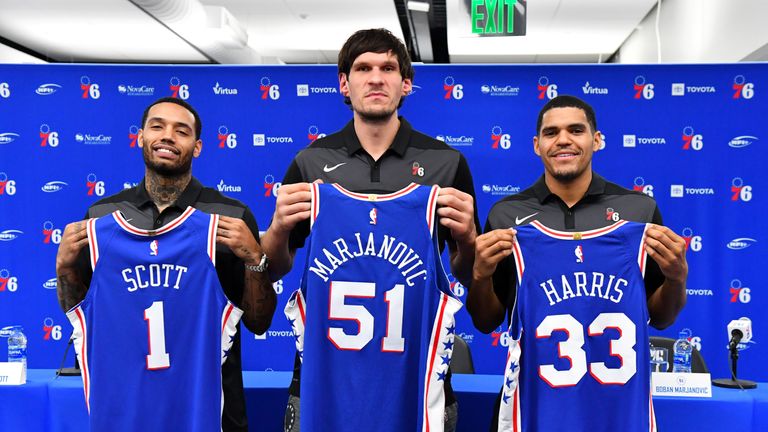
(170, 139)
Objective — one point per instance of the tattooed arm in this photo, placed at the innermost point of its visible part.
(259, 299)
(71, 287)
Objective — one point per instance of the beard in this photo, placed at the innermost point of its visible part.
(375, 114)
(182, 167)
(567, 176)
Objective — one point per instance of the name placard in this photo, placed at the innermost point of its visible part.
(681, 384)
(12, 373)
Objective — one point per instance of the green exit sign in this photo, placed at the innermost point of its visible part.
(498, 17)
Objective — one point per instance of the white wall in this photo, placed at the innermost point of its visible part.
(701, 31)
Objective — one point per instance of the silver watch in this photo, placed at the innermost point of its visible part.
(261, 266)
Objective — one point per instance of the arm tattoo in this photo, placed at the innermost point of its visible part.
(70, 289)
(259, 302)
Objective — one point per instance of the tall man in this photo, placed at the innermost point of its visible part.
(170, 139)
(376, 152)
(569, 196)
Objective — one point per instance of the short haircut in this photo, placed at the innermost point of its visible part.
(376, 41)
(568, 101)
(181, 103)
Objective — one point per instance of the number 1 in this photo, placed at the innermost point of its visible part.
(157, 358)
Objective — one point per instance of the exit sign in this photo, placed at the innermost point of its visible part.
(498, 17)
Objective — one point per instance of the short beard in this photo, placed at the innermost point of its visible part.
(162, 170)
(566, 177)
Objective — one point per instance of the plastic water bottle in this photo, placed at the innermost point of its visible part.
(17, 346)
(683, 353)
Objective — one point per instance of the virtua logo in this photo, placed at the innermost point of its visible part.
(8, 137)
(9, 235)
(741, 243)
(742, 141)
(53, 186)
(588, 89)
(228, 188)
(47, 89)
(219, 90)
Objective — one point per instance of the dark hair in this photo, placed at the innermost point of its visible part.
(568, 101)
(181, 103)
(376, 41)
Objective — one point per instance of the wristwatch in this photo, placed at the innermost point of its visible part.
(261, 266)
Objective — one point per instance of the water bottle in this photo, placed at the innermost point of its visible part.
(17, 346)
(683, 353)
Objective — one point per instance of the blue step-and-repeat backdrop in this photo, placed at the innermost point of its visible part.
(689, 135)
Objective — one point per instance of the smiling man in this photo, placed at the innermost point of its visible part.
(570, 197)
(377, 152)
(170, 141)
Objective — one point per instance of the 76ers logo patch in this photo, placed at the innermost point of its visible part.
(153, 248)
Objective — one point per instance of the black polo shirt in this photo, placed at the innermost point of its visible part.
(139, 209)
(602, 205)
(413, 157)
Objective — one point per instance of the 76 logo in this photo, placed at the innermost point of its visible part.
(740, 294)
(740, 191)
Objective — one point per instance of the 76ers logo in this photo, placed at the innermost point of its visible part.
(50, 330)
(452, 89)
(640, 186)
(94, 185)
(742, 88)
(691, 140)
(500, 139)
(740, 293)
(51, 235)
(643, 89)
(546, 89)
(7, 186)
(740, 191)
(89, 89)
(178, 89)
(692, 242)
(268, 89)
(313, 133)
(8, 282)
(270, 186)
(48, 137)
(133, 135)
(226, 139)
(612, 215)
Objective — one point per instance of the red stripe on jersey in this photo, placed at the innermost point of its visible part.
(91, 227)
(227, 313)
(569, 235)
(431, 208)
(379, 197)
(84, 358)
(433, 352)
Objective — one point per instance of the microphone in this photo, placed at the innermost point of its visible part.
(739, 330)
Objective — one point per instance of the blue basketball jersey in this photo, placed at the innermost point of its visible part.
(154, 327)
(374, 317)
(579, 356)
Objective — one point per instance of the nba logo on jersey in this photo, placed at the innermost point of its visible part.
(373, 214)
(579, 254)
(153, 248)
